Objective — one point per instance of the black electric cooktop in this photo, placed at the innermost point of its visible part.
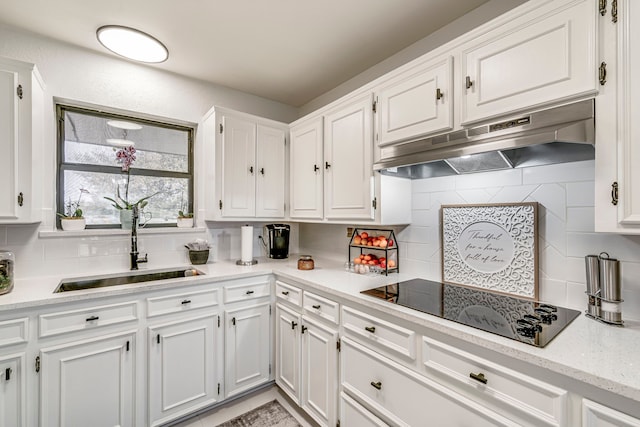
(520, 319)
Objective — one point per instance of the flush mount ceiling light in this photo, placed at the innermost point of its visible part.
(132, 44)
(120, 143)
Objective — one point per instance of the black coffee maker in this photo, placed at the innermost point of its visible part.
(278, 240)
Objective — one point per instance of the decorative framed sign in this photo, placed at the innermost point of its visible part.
(493, 247)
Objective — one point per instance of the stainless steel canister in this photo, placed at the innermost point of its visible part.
(611, 290)
(592, 264)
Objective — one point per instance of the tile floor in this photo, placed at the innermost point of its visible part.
(224, 413)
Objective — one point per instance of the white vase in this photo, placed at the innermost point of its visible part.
(73, 224)
(185, 222)
(126, 218)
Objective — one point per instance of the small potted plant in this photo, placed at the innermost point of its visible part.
(71, 219)
(185, 219)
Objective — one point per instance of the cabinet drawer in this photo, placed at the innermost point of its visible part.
(383, 335)
(289, 293)
(354, 414)
(246, 291)
(14, 331)
(404, 398)
(87, 318)
(322, 307)
(181, 302)
(534, 398)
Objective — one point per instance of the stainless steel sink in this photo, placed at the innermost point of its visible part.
(124, 279)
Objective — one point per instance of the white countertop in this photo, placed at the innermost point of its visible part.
(597, 354)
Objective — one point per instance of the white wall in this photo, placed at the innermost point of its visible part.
(81, 75)
(565, 193)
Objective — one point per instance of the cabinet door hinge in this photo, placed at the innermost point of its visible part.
(375, 105)
(614, 194)
(218, 389)
(269, 310)
(37, 363)
(218, 321)
(19, 91)
(374, 203)
(614, 11)
(220, 204)
(20, 199)
(602, 73)
(338, 344)
(269, 368)
(221, 127)
(338, 423)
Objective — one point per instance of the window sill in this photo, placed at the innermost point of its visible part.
(47, 234)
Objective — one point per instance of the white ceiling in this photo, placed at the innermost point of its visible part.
(286, 50)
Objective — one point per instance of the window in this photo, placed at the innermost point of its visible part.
(90, 170)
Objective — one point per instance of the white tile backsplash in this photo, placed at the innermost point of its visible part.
(566, 231)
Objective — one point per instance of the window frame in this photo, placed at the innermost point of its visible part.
(62, 166)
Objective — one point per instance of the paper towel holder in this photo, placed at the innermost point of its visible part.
(252, 262)
(246, 258)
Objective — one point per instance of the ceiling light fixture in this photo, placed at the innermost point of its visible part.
(121, 143)
(121, 124)
(132, 44)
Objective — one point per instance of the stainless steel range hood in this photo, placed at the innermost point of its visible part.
(557, 135)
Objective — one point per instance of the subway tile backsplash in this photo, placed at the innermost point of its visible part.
(566, 230)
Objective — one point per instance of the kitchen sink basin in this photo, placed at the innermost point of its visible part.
(124, 279)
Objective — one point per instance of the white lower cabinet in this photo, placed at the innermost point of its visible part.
(247, 348)
(597, 415)
(307, 354)
(89, 382)
(12, 390)
(402, 397)
(182, 358)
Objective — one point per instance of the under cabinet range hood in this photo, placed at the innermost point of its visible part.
(556, 135)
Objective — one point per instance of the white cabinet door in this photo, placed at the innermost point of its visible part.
(617, 193)
(182, 369)
(288, 357)
(306, 170)
(416, 103)
(319, 371)
(12, 391)
(348, 175)
(247, 348)
(550, 59)
(88, 383)
(270, 172)
(238, 163)
(597, 415)
(21, 133)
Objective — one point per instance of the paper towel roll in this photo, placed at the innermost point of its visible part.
(246, 243)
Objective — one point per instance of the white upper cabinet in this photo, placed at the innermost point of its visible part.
(270, 172)
(21, 133)
(348, 160)
(307, 176)
(238, 144)
(245, 166)
(617, 192)
(417, 102)
(544, 57)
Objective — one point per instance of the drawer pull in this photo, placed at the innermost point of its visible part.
(92, 318)
(479, 377)
(376, 385)
(187, 301)
(317, 307)
(249, 292)
(285, 292)
(293, 324)
(304, 328)
(371, 329)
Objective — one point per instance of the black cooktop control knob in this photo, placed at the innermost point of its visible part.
(533, 325)
(547, 315)
(526, 332)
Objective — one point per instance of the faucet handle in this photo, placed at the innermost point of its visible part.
(144, 259)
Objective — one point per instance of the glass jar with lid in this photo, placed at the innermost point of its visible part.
(7, 260)
(305, 262)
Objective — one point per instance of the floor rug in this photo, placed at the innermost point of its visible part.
(270, 414)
